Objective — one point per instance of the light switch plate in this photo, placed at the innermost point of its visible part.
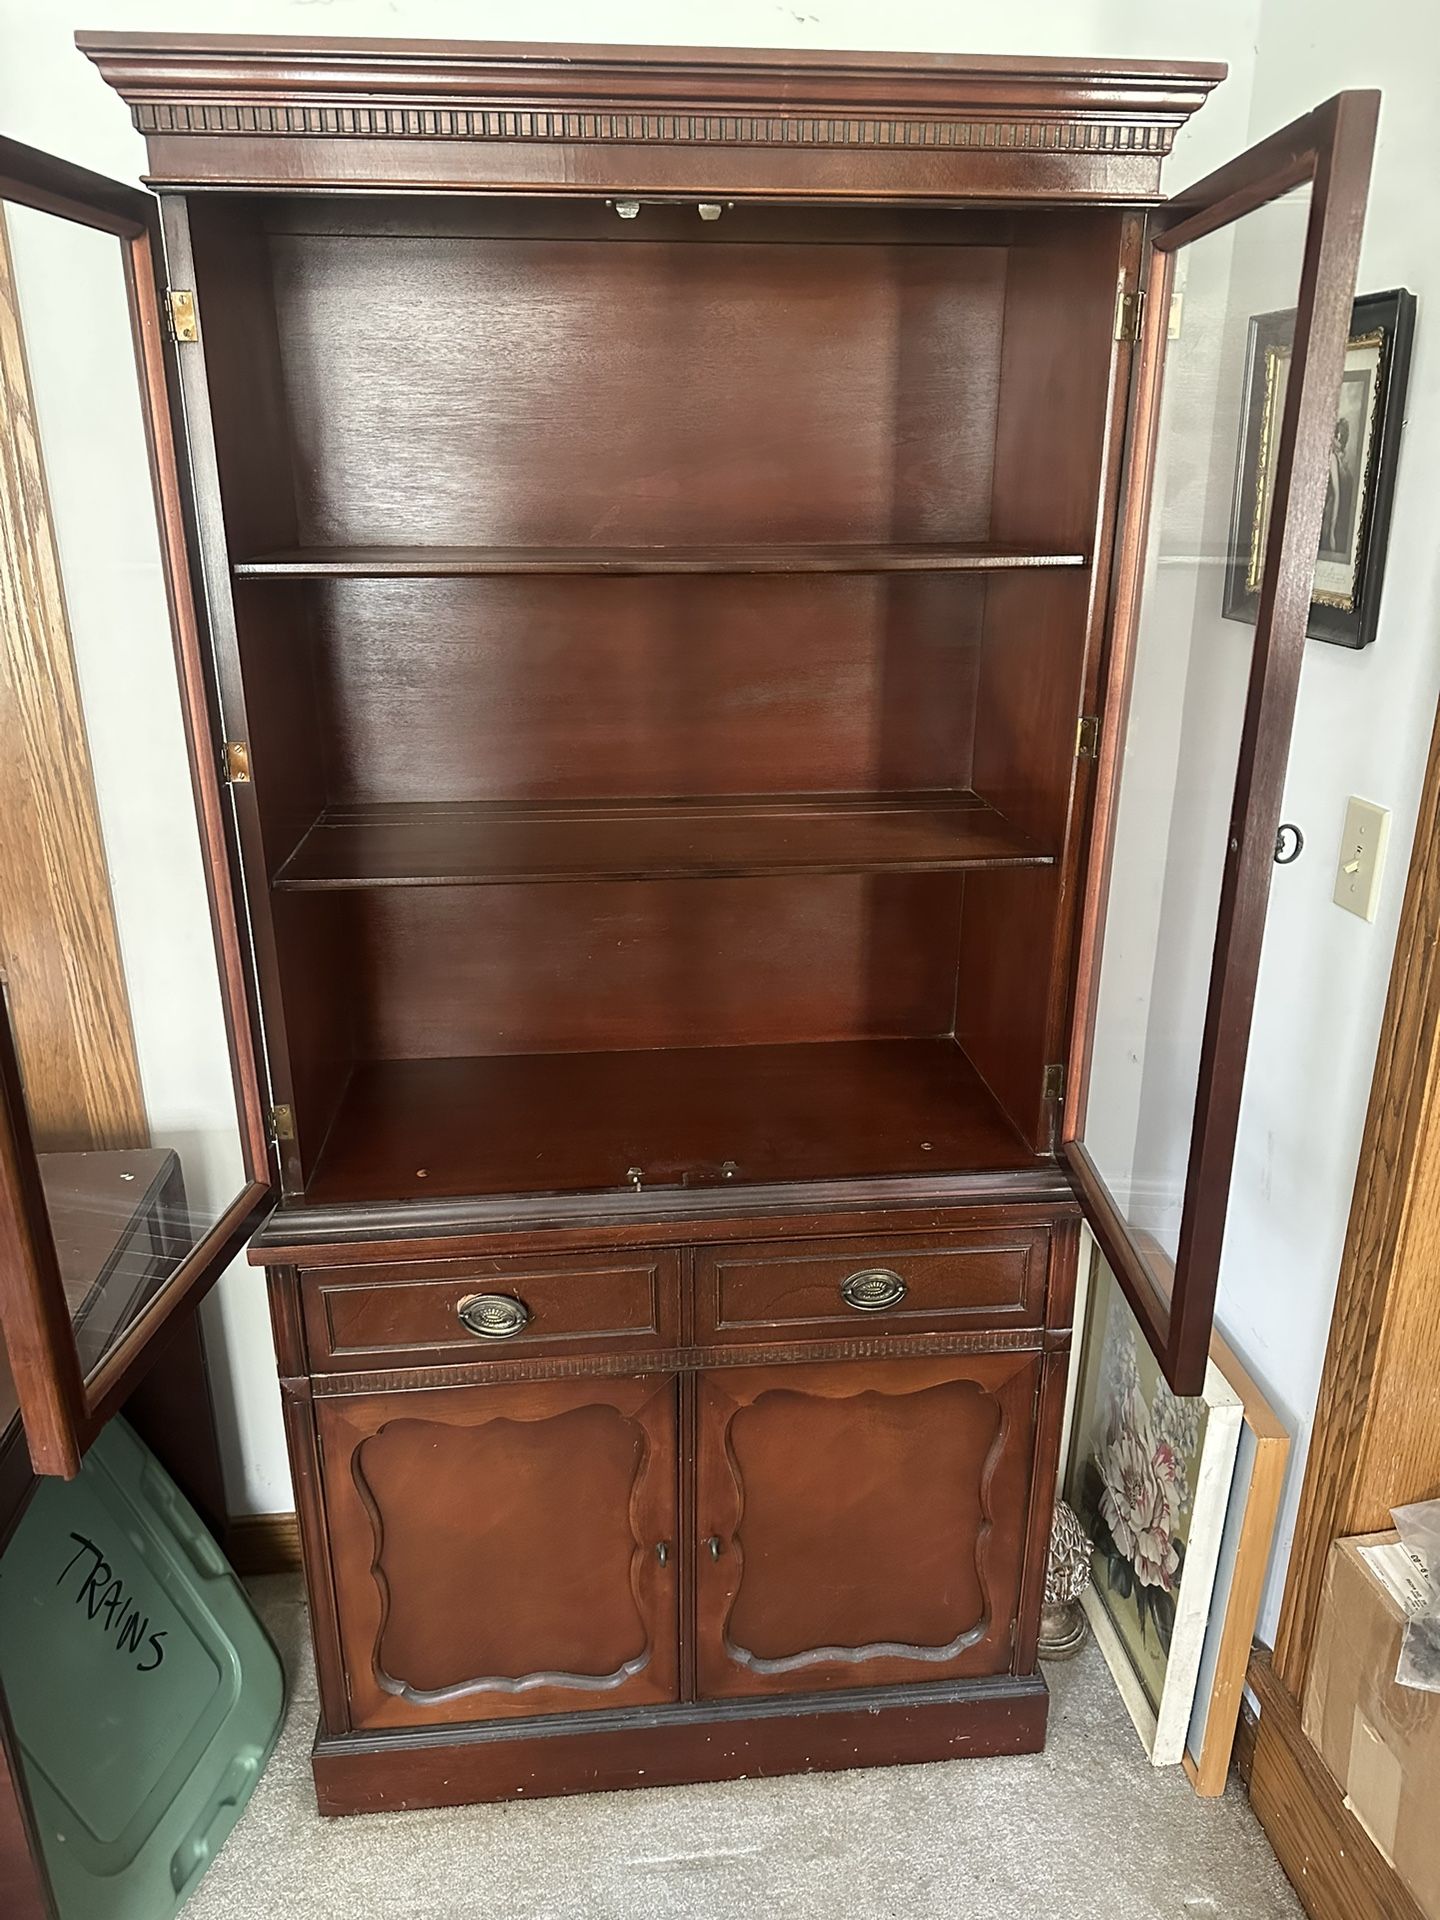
(1362, 857)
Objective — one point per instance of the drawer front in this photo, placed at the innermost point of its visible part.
(443, 1312)
(897, 1284)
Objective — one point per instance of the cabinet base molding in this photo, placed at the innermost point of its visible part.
(677, 1746)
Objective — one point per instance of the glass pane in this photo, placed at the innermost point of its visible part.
(1226, 366)
(105, 941)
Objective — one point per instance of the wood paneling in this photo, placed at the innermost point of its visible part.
(59, 952)
(504, 1551)
(781, 393)
(860, 1524)
(1375, 1442)
(437, 971)
(1333, 1864)
(541, 1123)
(1041, 636)
(519, 689)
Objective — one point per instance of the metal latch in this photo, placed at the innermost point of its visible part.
(1087, 737)
(181, 304)
(1053, 1086)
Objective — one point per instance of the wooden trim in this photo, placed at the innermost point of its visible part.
(24, 1884)
(257, 1543)
(294, 85)
(600, 1751)
(1375, 1442)
(1333, 1864)
(30, 178)
(220, 110)
(1225, 1726)
(1247, 1731)
(59, 949)
(34, 1318)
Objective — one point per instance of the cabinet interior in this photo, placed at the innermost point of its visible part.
(662, 641)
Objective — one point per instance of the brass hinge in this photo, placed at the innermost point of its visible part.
(235, 762)
(1087, 737)
(1129, 313)
(1053, 1086)
(282, 1123)
(180, 302)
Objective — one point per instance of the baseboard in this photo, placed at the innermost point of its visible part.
(263, 1543)
(1247, 1728)
(669, 1746)
(1334, 1866)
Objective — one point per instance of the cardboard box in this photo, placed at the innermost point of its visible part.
(1381, 1741)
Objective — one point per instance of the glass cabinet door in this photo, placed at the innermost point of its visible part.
(1247, 295)
(132, 1157)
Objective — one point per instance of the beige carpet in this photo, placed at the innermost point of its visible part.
(1086, 1831)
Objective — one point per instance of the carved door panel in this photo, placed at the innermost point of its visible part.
(503, 1551)
(862, 1523)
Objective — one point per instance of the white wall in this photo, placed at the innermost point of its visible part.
(1364, 720)
(1363, 727)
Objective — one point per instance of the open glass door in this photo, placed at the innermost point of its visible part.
(1198, 707)
(133, 1154)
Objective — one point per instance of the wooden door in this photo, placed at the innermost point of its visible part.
(503, 1551)
(133, 1152)
(1247, 295)
(863, 1523)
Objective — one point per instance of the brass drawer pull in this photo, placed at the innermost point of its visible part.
(873, 1289)
(492, 1316)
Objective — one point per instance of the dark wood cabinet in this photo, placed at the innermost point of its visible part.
(733, 830)
(861, 1523)
(504, 1550)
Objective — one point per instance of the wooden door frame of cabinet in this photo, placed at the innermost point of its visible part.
(1332, 148)
(62, 1410)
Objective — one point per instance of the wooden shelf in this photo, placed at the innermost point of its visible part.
(579, 1122)
(385, 563)
(437, 845)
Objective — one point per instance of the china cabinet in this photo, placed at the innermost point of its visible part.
(734, 823)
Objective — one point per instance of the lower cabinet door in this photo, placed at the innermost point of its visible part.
(862, 1523)
(503, 1550)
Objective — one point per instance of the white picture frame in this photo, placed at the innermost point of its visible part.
(1150, 1477)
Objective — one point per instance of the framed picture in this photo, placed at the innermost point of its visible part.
(1149, 1476)
(1239, 1578)
(1364, 451)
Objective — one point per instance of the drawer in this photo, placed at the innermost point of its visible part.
(444, 1312)
(912, 1284)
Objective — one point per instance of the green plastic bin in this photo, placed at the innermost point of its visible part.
(144, 1693)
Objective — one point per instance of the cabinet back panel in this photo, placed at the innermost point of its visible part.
(440, 971)
(461, 390)
(480, 689)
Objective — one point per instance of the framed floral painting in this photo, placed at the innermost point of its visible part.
(1149, 1475)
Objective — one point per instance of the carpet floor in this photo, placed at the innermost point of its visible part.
(1088, 1830)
